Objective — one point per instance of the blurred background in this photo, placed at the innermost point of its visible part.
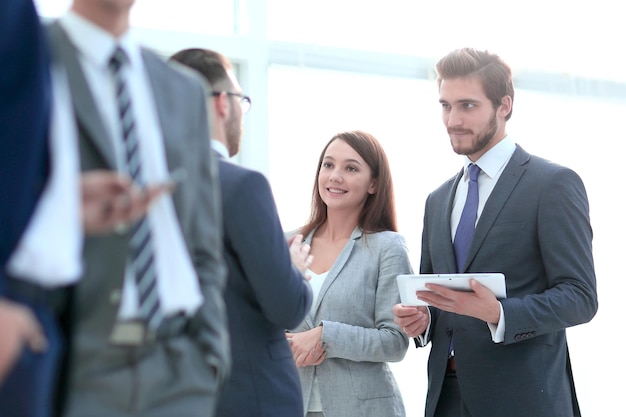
(316, 68)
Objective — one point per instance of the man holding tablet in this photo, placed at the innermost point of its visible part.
(506, 212)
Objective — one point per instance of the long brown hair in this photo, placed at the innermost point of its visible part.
(379, 212)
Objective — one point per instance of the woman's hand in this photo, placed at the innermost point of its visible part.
(307, 347)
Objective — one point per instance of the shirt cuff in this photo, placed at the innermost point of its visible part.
(497, 331)
(423, 339)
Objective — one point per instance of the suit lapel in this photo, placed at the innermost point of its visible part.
(338, 265)
(172, 144)
(506, 184)
(447, 248)
(88, 117)
(439, 213)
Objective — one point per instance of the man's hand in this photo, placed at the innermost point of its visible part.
(18, 327)
(111, 200)
(413, 320)
(479, 303)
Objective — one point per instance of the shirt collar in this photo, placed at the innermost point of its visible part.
(495, 158)
(220, 148)
(96, 44)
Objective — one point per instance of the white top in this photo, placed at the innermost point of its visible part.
(179, 289)
(316, 281)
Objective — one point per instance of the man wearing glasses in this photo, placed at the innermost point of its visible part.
(266, 293)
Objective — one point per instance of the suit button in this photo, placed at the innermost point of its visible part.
(115, 297)
(120, 229)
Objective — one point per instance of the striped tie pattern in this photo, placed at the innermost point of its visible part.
(141, 247)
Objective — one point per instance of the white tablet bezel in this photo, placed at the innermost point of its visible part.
(409, 284)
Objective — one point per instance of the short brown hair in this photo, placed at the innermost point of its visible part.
(492, 72)
(212, 65)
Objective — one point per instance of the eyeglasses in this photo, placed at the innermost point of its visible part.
(245, 101)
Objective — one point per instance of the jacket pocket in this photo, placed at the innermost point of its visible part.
(371, 380)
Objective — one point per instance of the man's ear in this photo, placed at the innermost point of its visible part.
(506, 105)
(221, 105)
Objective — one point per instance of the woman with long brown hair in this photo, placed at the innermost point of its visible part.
(343, 346)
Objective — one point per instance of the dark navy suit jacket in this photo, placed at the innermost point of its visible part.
(265, 295)
(535, 229)
(24, 116)
(25, 94)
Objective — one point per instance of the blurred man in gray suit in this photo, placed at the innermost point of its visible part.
(40, 212)
(148, 333)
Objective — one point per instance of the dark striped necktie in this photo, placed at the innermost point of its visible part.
(141, 245)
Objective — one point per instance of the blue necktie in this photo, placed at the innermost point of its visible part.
(467, 223)
(141, 245)
(465, 230)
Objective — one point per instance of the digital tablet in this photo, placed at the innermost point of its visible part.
(409, 284)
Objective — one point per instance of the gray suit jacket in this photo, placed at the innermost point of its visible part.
(535, 229)
(354, 305)
(100, 380)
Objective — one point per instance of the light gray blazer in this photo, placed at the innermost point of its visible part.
(354, 305)
(100, 380)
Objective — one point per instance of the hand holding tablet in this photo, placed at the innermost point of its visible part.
(410, 284)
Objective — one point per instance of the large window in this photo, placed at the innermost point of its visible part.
(570, 37)
(316, 68)
(190, 16)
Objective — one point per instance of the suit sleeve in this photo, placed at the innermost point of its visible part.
(565, 244)
(24, 116)
(254, 233)
(207, 254)
(426, 267)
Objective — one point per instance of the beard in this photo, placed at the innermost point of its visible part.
(480, 141)
(234, 132)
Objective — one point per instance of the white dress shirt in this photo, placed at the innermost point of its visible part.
(220, 148)
(178, 285)
(491, 165)
(50, 250)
